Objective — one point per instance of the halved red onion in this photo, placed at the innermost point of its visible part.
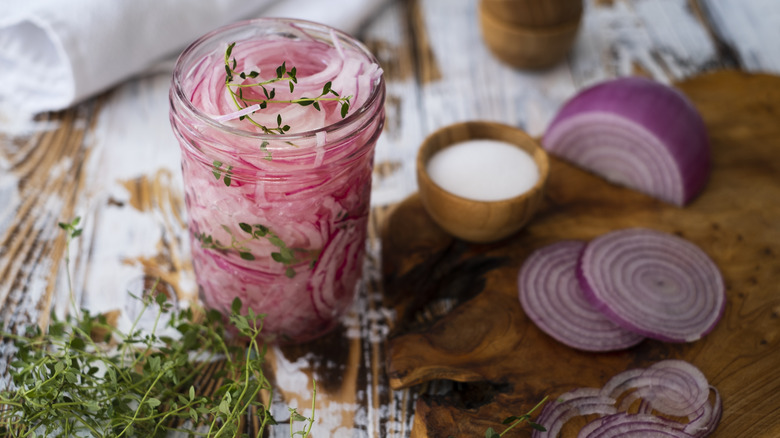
(552, 299)
(653, 283)
(638, 133)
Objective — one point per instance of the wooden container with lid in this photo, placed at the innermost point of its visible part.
(531, 34)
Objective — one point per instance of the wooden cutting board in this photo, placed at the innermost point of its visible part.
(507, 364)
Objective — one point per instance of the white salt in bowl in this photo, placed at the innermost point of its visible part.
(473, 183)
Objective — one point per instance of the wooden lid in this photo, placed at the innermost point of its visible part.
(535, 13)
(526, 47)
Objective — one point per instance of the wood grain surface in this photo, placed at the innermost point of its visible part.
(487, 339)
(113, 161)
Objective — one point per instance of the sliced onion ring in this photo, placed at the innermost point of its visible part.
(708, 418)
(580, 401)
(638, 133)
(552, 299)
(670, 387)
(653, 283)
(624, 425)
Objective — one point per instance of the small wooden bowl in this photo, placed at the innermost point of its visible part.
(472, 220)
(527, 47)
(534, 13)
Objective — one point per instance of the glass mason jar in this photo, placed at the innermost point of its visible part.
(278, 198)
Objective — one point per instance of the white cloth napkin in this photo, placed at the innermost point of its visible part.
(54, 54)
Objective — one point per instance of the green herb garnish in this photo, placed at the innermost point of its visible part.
(516, 420)
(216, 169)
(84, 377)
(283, 74)
(285, 255)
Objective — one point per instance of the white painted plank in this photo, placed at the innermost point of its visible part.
(132, 139)
(662, 38)
(477, 86)
(397, 146)
(751, 28)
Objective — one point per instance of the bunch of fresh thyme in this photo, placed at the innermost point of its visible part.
(84, 377)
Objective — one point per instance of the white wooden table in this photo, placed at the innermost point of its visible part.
(114, 161)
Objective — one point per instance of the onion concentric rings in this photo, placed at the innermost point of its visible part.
(552, 299)
(670, 387)
(653, 283)
(636, 132)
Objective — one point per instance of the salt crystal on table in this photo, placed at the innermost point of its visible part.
(483, 170)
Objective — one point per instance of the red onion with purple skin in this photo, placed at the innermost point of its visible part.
(638, 133)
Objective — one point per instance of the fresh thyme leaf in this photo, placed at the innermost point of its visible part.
(285, 255)
(536, 426)
(515, 420)
(215, 169)
(227, 179)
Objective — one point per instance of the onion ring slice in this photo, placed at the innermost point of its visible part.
(653, 283)
(624, 425)
(553, 300)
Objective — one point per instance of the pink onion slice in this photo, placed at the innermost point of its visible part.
(577, 402)
(638, 133)
(672, 387)
(675, 387)
(552, 299)
(624, 425)
(653, 283)
(708, 419)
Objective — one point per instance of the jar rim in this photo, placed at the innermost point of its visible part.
(177, 87)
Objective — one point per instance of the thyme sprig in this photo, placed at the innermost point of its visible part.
(285, 255)
(516, 420)
(226, 174)
(283, 74)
